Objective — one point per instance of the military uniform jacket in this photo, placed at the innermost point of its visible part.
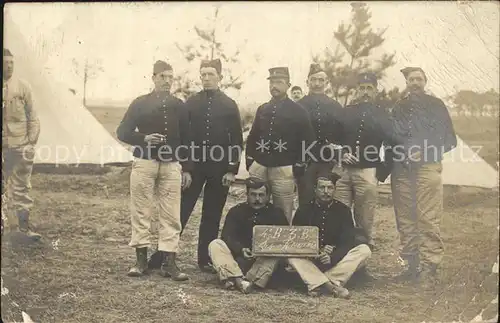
(335, 224)
(21, 125)
(423, 120)
(237, 232)
(323, 113)
(366, 126)
(281, 131)
(161, 113)
(215, 121)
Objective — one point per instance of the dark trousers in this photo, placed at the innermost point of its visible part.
(306, 183)
(214, 199)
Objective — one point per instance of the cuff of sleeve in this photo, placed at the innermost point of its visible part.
(233, 168)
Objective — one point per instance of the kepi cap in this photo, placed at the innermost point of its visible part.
(215, 63)
(161, 66)
(278, 72)
(407, 70)
(315, 68)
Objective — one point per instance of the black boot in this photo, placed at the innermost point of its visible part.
(23, 218)
(412, 272)
(141, 265)
(169, 267)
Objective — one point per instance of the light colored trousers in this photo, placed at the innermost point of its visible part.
(17, 169)
(340, 274)
(163, 178)
(282, 185)
(226, 267)
(417, 194)
(357, 188)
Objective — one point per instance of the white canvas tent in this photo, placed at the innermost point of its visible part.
(70, 135)
(464, 167)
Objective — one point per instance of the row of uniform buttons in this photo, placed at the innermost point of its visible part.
(360, 130)
(164, 105)
(208, 119)
(318, 114)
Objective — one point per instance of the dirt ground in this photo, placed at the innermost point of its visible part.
(78, 272)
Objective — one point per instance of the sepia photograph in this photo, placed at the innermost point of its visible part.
(232, 161)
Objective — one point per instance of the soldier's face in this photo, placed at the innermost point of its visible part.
(257, 197)
(324, 190)
(317, 82)
(8, 66)
(416, 81)
(297, 95)
(163, 81)
(278, 87)
(366, 92)
(209, 78)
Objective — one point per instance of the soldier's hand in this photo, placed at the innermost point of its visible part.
(186, 180)
(328, 249)
(228, 179)
(155, 138)
(324, 259)
(349, 159)
(247, 253)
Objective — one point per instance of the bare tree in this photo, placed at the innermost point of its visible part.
(87, 71)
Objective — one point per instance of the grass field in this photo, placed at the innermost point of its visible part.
(78, 273)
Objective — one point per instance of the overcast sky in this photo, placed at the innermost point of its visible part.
(457, 45)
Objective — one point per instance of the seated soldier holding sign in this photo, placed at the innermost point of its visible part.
(343, 249)
(231, 255)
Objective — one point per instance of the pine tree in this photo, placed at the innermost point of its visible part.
(353, 53)
(209, 47)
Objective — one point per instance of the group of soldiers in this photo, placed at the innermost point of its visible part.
(328, 154)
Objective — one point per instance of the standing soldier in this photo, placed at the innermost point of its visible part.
(276, 143)
(417, 188)
(20, 132)
(366, 126)
(216, 129)
(160, 166)
(323, 112)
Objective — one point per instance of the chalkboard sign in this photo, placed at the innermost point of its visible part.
(285, 241)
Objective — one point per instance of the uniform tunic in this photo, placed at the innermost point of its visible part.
(280, 132)
(215, 121)
(323, 113)
(161, 113)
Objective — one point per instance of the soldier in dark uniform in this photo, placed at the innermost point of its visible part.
(417, 188)
(161, 166)
(366, 126)
(323, 112)
(343, 248)
(232, 253)
(218, 140)
(276, 143)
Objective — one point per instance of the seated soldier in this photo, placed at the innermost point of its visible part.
(231, 254)
(343, 248)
